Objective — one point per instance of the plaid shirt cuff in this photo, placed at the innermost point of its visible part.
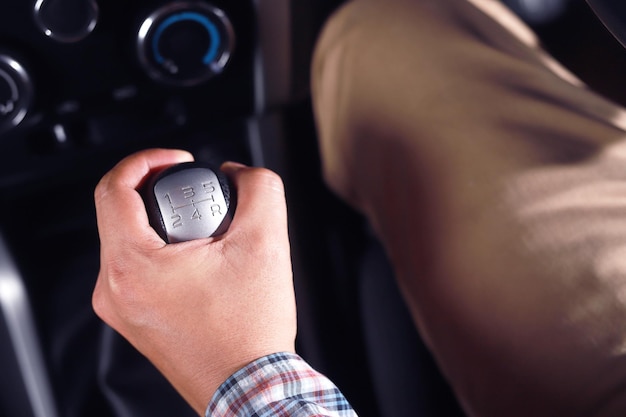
(281, 384)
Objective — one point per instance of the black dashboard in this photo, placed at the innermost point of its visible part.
(117, 75)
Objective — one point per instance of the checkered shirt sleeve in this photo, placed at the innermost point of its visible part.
(281, 384)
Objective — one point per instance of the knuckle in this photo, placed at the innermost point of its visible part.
(102, 189)
(97, 301)
(120, 276)
(100, 305)
(265, 178)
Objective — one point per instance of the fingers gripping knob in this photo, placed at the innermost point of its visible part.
(189, 201)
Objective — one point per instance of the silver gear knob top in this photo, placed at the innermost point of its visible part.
(189, 201)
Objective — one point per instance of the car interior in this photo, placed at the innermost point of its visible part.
(84, 83)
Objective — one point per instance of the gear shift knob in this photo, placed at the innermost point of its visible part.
(189, 201)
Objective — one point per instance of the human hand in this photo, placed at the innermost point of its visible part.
(198, 310)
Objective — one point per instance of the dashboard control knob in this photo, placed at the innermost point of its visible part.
(185, 43)
(66, 20)
(16, 92)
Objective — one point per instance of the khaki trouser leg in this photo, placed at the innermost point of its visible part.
(497, 183)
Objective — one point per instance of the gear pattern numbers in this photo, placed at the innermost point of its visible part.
(192, 204)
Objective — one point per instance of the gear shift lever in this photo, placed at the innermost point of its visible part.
(189, 201)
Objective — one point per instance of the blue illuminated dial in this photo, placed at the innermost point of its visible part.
(185, 43)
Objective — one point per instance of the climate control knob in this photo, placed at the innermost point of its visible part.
(16, 92)
(185, 43)
(66, 20)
